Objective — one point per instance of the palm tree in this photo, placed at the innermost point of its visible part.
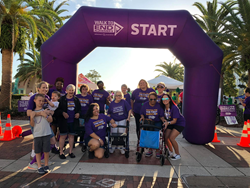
(212, 21)
(172, 70)
(19, 24)
(236, 33)
(30, 68)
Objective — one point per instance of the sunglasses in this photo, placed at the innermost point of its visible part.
(160, 87)
(164, 99)
(152, 99)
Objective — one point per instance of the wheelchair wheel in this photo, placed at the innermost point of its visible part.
(127, 154)
(162, 160)
(106, 154)
(84, 148)
(138, 157)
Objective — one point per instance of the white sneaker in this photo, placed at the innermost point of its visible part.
(122, 151)
(175, 157)
(111, 150)
(32, 166)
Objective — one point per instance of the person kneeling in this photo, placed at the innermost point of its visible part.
(95, 131)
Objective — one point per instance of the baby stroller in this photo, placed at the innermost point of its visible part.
(118, 139)
(150, 138)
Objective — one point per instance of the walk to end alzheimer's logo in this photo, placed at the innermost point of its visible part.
(106, 28)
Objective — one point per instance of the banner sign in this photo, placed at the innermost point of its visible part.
(227, 110)
(231, 120)
(22, 105)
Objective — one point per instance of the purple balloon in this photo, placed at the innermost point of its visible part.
(174, 30)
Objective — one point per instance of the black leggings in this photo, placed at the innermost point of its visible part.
(246, 117)
(137, 122)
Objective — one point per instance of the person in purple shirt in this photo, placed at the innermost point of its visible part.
(120, 111)
(58, 87)
(246, 104)
(161, 87)
(174, 123)
(151, 110)
(67, 114)
(139, 97)
(101, 97)
(95, 130)
(126, 95)
(85, 100)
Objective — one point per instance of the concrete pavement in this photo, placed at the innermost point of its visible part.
(221, 164)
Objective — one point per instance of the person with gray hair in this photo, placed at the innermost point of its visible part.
(68, 114)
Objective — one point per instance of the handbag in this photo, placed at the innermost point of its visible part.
(150, 139)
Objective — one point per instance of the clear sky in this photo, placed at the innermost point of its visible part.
(119, 66)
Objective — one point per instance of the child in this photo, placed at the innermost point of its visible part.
(53, 104)
(41, 133)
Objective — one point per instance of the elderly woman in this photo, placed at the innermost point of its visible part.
(68, 114)
(152, 111)
(95, 130)
(120, 111)
(101, 96)
(124, 89)
(139, 97)
(174, 123)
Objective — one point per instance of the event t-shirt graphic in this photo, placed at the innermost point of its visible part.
(99, 123)
(71, 105)
(118, 110)
(97, 96)
(83, 101)
(151, 113)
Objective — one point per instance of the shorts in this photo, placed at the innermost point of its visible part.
(177, 127)
(52, 133)
(86, 141)
(246, 117)
(119, 129)
(42, 144)
(70, 130)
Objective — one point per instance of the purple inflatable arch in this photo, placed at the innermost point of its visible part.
(173, 30)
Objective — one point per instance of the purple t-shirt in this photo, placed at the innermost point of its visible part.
(99, 97)
(152, 112)
(140, 97)
(71, 110)
(62, 92)
(32, 104)
(247, 107)
(159, 98)
(127, 98)
(175, 113)
(97, 126)
(85, 102)
(119, 111)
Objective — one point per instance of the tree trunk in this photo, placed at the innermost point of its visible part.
(248, 83)
(221, 87)
(7, 62)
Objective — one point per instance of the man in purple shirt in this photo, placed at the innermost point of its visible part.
(100, 96)
(246, 104)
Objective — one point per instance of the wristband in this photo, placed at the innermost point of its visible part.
(169, 122)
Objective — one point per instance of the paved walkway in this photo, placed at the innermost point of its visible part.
(221, 164)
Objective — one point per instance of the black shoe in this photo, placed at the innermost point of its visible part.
(46, 169)
(72, 155)
(55, 151)
(91, 155)
(62, 156)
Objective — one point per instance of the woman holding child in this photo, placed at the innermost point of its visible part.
(68, 114)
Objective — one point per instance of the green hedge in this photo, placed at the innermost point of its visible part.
(18, 96)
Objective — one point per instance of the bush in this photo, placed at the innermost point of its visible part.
(240, 114)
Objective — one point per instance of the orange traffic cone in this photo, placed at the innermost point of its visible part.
(7, 136)
(248, 130)
(244, 137)
(215, 136)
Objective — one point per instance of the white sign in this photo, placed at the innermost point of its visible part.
(106, 28)
(231, 120)
(152, 29)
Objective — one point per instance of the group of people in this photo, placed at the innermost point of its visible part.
(58, 112)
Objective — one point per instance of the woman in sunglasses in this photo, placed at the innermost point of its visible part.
(161, 87)
(152, 111)
(174, 123)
